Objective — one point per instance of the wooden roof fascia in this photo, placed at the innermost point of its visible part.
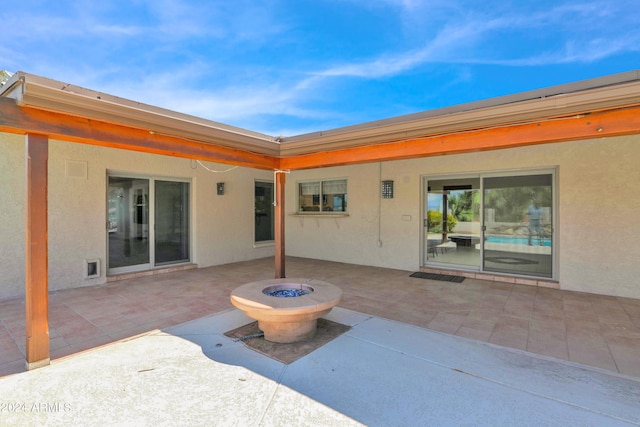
(586, 126)
(65, 127)
(47, 94)
(536, 117)
(459, 119)
(22, 120)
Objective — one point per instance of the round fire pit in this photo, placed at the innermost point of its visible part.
(287, 310)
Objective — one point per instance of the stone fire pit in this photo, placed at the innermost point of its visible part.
(287, 310)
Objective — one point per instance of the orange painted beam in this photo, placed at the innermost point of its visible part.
(279, 225)
(22, 120)
(595, 125)
(37, 267)
(14, 119)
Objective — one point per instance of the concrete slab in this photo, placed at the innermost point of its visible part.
(438, 380)
(561, 380)
(381, 372)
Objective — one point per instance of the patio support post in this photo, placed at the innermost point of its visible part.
(36, 284)
(279, 224)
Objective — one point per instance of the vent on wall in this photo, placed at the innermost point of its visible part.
(75, 169)
(91, 268)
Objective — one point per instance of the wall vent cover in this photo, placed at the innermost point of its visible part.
(91, 268)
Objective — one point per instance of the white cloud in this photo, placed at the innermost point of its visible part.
(572, 52)
(458, 42)
(206, 85)
(476, 39)
(436, 50)
(243, 104)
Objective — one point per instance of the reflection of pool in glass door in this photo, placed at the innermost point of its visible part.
(500, 224)
(452, 226)
(518, 218)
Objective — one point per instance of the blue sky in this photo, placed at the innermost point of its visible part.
(286, 67)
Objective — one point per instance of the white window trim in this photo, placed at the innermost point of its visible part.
(318, 183)
(152, 178)
(262, 243)
(555, 222)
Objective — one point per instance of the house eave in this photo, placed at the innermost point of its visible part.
(570, 100)
(579, 98)
(51, 95)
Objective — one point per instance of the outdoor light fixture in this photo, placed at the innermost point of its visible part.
(387, 189)
(220, 188)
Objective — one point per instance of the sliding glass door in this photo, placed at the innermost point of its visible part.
(147, 223)
(500, 223)
(453, 221)
(264, 212)
(171, 222)
(128, 222)
(518, 218)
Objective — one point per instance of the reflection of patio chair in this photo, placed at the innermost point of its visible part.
(432, 247)
(444, 247)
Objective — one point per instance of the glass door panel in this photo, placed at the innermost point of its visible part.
(128, 222)
(453, 222)
(171, 222)
(264, 221)
(518, 225)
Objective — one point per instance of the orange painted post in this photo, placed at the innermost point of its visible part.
(279, 225)
(36, 285)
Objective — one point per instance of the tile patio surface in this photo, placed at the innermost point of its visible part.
(598, 331)
(378, 373)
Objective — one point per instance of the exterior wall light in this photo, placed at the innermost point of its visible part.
(387, 189)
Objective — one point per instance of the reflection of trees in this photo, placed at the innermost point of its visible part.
(464, 205)
(434, 222)
(510, 204)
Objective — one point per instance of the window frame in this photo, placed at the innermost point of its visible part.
(320, 200)
(270, 215)
(151, 221)
(554, 220)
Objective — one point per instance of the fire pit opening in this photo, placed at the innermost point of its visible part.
(287, 290)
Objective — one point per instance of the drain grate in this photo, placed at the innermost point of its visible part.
(441, 277)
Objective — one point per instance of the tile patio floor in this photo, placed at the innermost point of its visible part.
(599, 331)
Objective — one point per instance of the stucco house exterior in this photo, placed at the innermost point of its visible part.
(539, 188)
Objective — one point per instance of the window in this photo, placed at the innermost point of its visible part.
(264, 221)
(323, 196)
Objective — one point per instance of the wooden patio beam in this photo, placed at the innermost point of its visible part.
(279, 225)
(594, 125)
(22, 120)
(36, 257)
(14, 119)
